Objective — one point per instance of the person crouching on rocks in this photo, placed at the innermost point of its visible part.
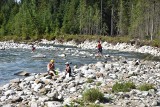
(51, 68)
(68, 69)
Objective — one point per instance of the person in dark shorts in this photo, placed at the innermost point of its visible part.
(68, 69)
(99, 47)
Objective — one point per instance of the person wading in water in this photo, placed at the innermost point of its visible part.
(99, 46)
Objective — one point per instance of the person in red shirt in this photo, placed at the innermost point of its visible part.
(99, 47)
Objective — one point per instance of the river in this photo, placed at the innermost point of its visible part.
(16, 60)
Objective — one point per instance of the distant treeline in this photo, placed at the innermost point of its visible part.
(27, 18)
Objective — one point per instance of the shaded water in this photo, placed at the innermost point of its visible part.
(16, 60)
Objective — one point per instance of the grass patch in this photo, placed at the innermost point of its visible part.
(98, 83)
(91, 95)
(89, 80)
(151, 57)
(94, 105)
(123, 87)
(80, 102)
(146, 87)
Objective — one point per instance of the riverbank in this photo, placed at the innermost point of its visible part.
(119, 46)
(86, 45)
(40, 90)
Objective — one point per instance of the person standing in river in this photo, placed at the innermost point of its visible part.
(99, 46)
(33, 48)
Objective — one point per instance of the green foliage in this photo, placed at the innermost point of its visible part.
(71, 105)
(123, 87)
(151, 57)
(94, 105)
(80, 102)
(98, 83)
(155, 43)
(89, 80)
(146, 87)
(81, 20)
(91, 95)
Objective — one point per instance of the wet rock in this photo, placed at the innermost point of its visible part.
(22, 73)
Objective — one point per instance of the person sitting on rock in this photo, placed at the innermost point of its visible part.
(68, 69)
(51, 68)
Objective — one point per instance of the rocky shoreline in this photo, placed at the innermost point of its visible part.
(40, 90)
(85, 45)
(119, 46)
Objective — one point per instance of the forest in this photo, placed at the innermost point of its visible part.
(27, 18)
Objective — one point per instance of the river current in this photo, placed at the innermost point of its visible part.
(16, 60)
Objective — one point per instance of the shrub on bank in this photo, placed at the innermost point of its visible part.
(94, 105)
(123, 87)
(146, 87)
(89, 80)
(98, 83)
(91, 95)
(151, 57)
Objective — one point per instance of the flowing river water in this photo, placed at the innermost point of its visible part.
(16, 60)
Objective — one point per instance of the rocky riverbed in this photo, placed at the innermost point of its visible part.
(41, 90)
